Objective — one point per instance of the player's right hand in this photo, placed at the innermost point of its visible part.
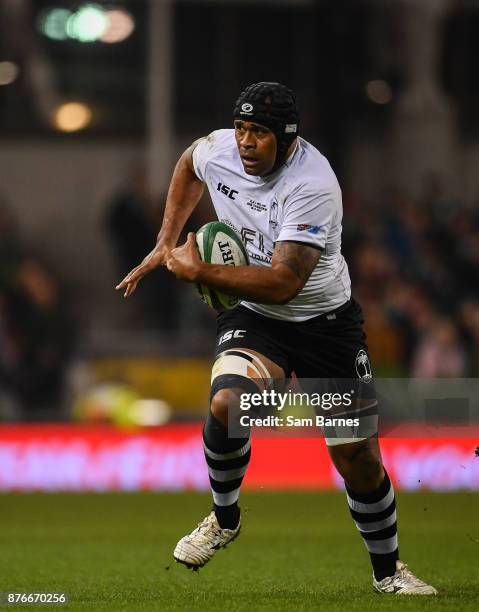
(156, 257)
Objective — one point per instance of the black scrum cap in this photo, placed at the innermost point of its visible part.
(273, 105)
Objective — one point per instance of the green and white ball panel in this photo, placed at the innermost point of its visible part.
(219, 244)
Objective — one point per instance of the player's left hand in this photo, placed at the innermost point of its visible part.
(184, 261)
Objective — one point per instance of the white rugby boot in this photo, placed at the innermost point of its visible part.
(403, 582)
(197, 548)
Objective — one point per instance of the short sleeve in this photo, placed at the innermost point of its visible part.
(203, 151)
(308, 217)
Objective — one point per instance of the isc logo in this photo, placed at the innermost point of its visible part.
(233, 333)
(226, 190)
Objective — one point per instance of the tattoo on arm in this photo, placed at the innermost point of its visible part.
(299, 257)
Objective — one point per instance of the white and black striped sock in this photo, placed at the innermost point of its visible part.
(227, 460)
(375, 517)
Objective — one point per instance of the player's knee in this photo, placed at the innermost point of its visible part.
(367, 462)
(220, 403)
(363, 470)
(373, 464)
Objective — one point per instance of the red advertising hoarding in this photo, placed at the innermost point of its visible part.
(102, 458)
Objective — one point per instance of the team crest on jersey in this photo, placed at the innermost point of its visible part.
(247, 108)
(363, 367)
(273, 214)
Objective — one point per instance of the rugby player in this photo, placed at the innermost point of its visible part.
(281, 196)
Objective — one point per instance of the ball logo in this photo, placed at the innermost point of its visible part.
(363, 367)
(246, 107)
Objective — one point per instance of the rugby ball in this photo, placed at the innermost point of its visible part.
(219, 244)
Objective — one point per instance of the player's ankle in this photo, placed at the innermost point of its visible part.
(227, 516)
(384, 571)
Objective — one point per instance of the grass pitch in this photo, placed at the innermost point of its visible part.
(297, 551)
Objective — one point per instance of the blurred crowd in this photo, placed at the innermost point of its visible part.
(131, 223)
(415, 270)
(37, 330)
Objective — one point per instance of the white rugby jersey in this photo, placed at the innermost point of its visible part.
(301, 202)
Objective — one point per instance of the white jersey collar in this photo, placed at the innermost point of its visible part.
(290, 158)
(274, 175)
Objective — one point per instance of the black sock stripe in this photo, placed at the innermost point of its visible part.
(372, 517)
(386, 560)
(216, 439)
(229, 464)
(382, 534)
(374, 496)
(225, 487)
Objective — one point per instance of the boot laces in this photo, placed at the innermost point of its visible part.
(207, 531)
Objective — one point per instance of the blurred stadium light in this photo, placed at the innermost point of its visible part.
(72, 117)
(89, 23)
(8, 72)
(379, 91)
(53, 23)
(120, 24)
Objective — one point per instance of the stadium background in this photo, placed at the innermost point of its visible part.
(96, 103)
(387, 92)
